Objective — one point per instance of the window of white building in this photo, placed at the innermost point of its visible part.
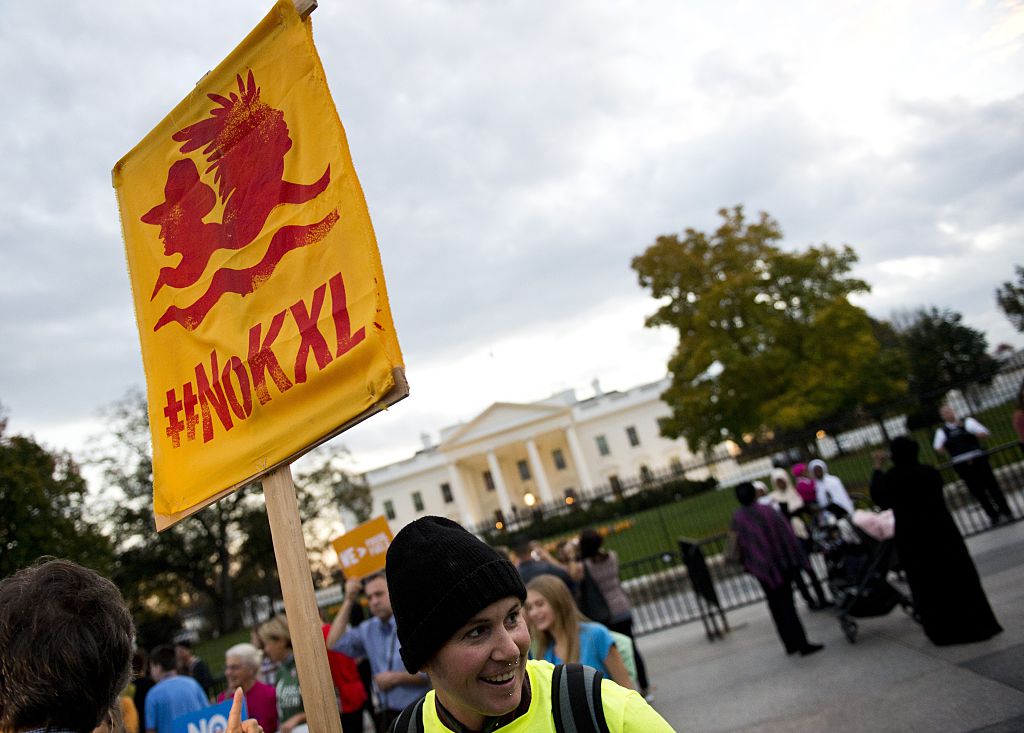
(417, 501)
(389, 509)
(488, 481)
(446, 493)
(602, 445)
(634, 439)
(524, 470)
(558, 458)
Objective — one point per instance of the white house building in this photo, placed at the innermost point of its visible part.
(514, 456)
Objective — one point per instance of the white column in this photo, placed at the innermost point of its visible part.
(499, 485)
(577, 457)
(543, 487)
(468, 513)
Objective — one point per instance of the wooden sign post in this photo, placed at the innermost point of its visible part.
(318, 698)
(259, 298)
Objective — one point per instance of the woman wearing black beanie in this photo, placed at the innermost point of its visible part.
(458, 604)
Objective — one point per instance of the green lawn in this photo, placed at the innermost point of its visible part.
(213, 650)
(656, 531)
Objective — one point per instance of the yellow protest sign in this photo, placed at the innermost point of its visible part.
(363, 550)
(257, 284)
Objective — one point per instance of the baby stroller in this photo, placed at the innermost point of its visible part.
(858, 567)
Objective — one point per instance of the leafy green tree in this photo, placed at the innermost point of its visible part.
(190, 563)
(215, 557)
(943, 353)
(331, 480)
(1010, 299)
(768, 340)
(885, 379)
(43, 508)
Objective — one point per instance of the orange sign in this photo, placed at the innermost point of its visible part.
(258, 288)
(363, 550)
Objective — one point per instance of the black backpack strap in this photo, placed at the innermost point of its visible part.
(410, 720)
(594, 698)
(576, 700)
(557, 698)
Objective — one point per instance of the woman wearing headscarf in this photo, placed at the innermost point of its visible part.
(829, 489)
(948, 596)
(804, 483)
(789, 503)
(769, 550)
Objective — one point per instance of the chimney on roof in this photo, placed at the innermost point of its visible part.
(427, 442)
(596, 384)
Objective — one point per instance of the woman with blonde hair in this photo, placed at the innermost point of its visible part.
(562, 634)
(277, 644)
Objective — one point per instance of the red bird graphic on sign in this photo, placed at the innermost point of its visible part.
(245, 144)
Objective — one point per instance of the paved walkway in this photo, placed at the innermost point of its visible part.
(892, 679)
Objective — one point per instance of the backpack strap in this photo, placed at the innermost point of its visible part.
(576, 699)
(410, 720)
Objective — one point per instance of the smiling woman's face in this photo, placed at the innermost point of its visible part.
(276, 648)
(238, 673)
(479, 672)
(539, 611)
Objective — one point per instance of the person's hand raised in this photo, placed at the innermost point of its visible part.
(353, 587)
(235, 724)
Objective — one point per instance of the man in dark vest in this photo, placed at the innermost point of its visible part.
(962, 441)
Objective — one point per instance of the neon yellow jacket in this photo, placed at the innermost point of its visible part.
(625, 711)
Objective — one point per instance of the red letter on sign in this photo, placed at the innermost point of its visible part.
(174, 423)
(262, 359)
(342, 323)
(311, 337)
(241, 409)
(191, 418)
(212, 394)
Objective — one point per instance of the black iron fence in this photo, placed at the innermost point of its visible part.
(664, 593)
(645, 517)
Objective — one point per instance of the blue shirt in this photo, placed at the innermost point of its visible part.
(595, 643)
(378, 641)
(170, 698)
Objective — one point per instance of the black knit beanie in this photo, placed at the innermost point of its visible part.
(439, 575)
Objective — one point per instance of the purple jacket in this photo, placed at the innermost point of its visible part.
(768, 548)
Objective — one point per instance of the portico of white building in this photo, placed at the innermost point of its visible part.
(512, 457)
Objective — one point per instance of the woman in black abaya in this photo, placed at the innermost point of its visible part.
(948, 596)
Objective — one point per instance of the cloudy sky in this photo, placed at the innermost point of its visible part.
(515, 156)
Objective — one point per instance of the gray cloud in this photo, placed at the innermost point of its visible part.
(514, 159)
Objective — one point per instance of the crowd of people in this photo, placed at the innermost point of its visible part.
(772, 534)
(464, 633)
(398, 646)
(463, 637)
